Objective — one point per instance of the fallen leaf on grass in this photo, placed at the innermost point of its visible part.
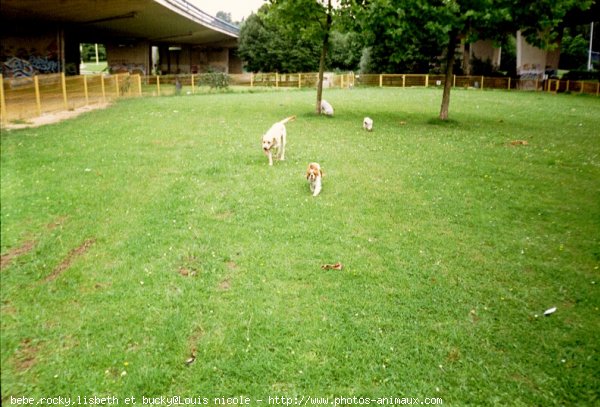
(519, 143)
(192, 358)
(336, 266)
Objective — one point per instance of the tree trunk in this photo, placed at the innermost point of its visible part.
(323, 56)
(450, 58)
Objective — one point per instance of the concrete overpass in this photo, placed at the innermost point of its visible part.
(44, 36)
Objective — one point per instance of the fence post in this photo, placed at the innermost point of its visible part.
(193, 87)
(509, 83)
(403, 81)
(481, 82)
(380, 80)
(158, 85)
(299, 81)
(567, 85)
(581, 90)
(102, 86)
(85, 90)
(276, 80)
(38, 103)
(2, 101)
(64, 90)
(427, 80)
(117, 84)
(251, 79)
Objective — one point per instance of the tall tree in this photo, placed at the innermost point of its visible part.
(314, 17)
(539, 21)
(456, 21)
(269, 45)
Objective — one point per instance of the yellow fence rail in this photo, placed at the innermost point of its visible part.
(28, 97)
(23, 98)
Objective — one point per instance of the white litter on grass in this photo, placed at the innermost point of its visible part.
(550, 311)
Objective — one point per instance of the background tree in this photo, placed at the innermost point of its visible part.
(345, 51)
(574, 47)
(222, 15)
(315, 19)
(268, 45)
(397, 35)
(450, 22)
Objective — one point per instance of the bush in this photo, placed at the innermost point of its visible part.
(575, 75)
(215, 79)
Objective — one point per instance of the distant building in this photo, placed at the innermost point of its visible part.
(140, 36)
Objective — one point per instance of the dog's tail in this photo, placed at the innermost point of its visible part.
(288, 119)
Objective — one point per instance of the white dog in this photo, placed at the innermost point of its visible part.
(368, 124)
(274, 140)
(314, 175)
(326, 108)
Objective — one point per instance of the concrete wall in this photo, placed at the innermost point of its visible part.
(532, 62)
(132, 58)
(33, 53)
(485, 50)
(195, 59)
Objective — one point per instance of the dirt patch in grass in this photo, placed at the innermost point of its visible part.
(9, 256)
(54, 117)
(58, 222)
(66, 263)
(187, 272)
(26, 355)
(225, 285)
(26, 247)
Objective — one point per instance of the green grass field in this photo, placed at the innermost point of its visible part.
(136, 236)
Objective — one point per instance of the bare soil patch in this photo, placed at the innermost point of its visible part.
(66, 263)
(54, 117)
(9, 256)
(26, 355)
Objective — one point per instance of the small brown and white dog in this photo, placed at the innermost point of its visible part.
(274, 140)
(368, 124)
(314, 174)
(326, 108)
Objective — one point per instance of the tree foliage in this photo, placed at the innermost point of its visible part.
(400, 36)
(267, 44)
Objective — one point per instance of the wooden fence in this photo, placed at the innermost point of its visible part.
(27, 97)
(23, 98)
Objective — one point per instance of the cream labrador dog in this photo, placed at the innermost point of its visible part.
(368, 124)
(273, 141)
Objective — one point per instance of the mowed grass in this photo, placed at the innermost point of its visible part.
(136, 236)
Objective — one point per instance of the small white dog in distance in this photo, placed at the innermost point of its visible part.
(326, 108)
(273, 141)
(368, 124)
(314, 174)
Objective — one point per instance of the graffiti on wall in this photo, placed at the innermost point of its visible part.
(16, 67)
(128, 68)
(20, 62)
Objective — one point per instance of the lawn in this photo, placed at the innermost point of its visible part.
(149, 250)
